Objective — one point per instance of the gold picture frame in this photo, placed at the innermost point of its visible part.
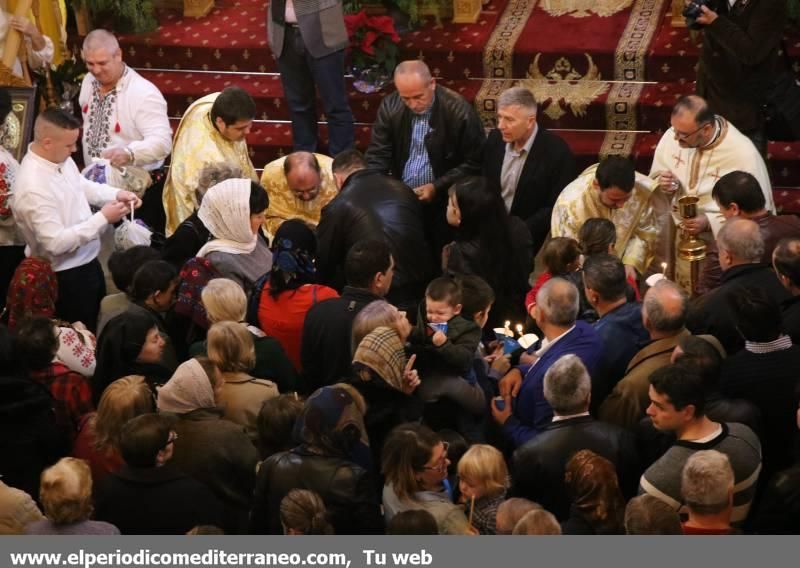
(17, 130)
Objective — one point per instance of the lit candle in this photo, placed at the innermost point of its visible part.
(507, 329)
(519, 329)
(664, 268)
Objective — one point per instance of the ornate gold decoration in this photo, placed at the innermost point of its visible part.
(584, 8)
(11, 130)
(563, 86)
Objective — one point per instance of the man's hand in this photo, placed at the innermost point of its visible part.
(118, 157)
(26, 27)
(707, 17)
(630, 273)
(425, 192)
(500, 416)
(115, 211)
(695, 225)
(410, 376)
(502, 364)
(667, 182)
(129, 197)
(439, 339)
(510, 384)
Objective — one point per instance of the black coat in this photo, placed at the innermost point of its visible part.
(374, 206)
(348, 491)
(157, 500)
(539, 465)
(549, 168)
(790, 314)
(454, 144)
(325, 350)
(740, 57)
(712, 313)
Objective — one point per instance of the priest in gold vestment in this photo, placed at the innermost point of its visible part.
(299, 186)
(212, 131)
(611, 190)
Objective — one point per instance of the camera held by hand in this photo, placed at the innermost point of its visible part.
(692, 11)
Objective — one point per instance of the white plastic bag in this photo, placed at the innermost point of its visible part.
(131, 178)
(130, 234)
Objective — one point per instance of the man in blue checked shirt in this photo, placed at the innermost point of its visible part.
(428, 136)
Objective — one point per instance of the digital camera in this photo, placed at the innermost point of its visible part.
(692, 11)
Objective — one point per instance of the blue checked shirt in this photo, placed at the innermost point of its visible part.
(418, 170)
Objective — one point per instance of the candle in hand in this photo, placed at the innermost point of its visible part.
(507, 329)
(519, 329)
(664, 268)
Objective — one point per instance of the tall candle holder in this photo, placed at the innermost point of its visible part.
(690, 247)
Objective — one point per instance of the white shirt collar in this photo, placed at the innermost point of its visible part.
(528, 144)
(568, 416)
(547, 344)
(43, 162)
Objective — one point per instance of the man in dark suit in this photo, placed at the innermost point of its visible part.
(539, 464)
(525, 412)
(308, 38)
(527, 164)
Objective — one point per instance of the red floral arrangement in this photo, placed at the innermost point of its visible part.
(373, 42)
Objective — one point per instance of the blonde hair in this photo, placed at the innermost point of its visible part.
(374, 315)
(224, 300)
(484, 465)
(231, 347)
(304, 511)
(66, 491)
(124, 399)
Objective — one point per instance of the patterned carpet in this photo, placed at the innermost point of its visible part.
(606, 72)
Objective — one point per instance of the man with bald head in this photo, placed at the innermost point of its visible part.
(741, 248)
(429, 137)
(299, 186)
(51, 208)
(698, 149)
(664, 317)
(124, 118)
(556, 313)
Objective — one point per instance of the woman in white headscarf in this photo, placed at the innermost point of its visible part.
(233, 211)
(211, 449)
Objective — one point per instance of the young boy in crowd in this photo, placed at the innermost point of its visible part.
(444, 340)
(483, 481)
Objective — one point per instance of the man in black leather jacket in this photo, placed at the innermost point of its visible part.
(429, 137)
(371, 205)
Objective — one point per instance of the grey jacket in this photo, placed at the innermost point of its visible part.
(321, 24)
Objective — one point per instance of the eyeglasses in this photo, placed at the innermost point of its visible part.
(441, 465)
(682, 136)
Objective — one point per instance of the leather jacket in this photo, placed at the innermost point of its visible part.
(371, 205)
(347, 489)
(454, 143)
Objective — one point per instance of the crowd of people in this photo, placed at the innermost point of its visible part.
(339, 346)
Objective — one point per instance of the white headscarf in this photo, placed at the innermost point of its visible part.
(225, 211)
(189, 389)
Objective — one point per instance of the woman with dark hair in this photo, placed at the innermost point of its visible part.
(414, 464)
(331, 431)
(152, 294)
(130, 344)
(490, 244)
(290, 289)
(233, 212)
(597, 503)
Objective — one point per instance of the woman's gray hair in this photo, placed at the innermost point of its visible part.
(517, 96)
(212, 174)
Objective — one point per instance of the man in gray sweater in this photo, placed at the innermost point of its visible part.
(677, 402)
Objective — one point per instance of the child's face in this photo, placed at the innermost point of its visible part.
(469, 488)
(440, 311)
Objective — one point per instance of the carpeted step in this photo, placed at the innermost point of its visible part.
(233, 37)
(181, 88)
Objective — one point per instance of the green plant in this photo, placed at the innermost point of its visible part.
(127, 16)
(373, 42)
